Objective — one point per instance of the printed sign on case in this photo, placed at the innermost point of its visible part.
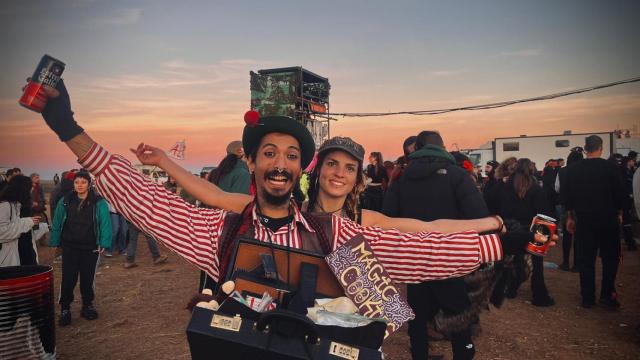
(368, 284)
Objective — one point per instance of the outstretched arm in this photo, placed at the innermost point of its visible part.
(422, 256)
(200, 189)
(374, 218)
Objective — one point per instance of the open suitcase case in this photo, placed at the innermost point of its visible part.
(236, 331)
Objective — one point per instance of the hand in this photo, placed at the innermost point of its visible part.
(36, 220)
(100, 250)
(57, 113)
(540, 238)
(620, 219)
(149, 155)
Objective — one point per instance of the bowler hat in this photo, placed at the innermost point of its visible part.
(254, 132)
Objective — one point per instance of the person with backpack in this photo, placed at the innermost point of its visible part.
(82, 227)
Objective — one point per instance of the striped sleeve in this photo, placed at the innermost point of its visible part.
(189, 231)
(419, 257)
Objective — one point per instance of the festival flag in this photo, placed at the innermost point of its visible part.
(177, 150)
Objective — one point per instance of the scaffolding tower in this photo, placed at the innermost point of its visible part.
(294, 92)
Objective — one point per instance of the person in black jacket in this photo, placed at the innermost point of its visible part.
(374, 192)
(490, 170)
(521, 199)
(593, 195)
(567, 237)
(433, 187)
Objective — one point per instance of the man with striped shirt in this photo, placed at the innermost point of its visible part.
(278, 149)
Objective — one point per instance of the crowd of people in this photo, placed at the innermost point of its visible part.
(83, 227)
(412, 212)
(591, 198)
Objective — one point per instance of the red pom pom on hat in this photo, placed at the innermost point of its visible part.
(71, 175)
(251, 118)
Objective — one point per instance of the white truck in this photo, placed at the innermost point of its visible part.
(544, 147)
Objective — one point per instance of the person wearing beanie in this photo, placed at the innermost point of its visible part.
(408, 146)
(490, 172)
(82, 228)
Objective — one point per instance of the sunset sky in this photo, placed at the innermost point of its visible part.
(162, 71)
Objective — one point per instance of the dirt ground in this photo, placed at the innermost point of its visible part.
(142, 316)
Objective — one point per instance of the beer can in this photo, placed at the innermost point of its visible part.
(47, 73)
(546, 226)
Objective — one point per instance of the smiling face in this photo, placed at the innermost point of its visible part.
(277, 167)
(338, 174)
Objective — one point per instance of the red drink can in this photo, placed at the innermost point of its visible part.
(47, 73)
(546, 226)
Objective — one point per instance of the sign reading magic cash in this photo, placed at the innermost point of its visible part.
(368, 284)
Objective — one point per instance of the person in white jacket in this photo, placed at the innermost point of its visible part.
(13, 197)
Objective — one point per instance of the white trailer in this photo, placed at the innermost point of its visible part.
(481, 155)
(624, 145)
(539, 149)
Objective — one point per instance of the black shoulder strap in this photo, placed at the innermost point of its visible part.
(233, 225)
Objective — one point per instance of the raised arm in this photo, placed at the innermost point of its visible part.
(199, 188)
(191, 232)
(374, 218)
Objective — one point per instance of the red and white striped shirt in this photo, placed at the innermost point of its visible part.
(194, 232)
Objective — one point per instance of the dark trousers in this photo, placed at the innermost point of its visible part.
(538, 287)
(598, 235)
(426, 299)
(77, 262)
(25, 249)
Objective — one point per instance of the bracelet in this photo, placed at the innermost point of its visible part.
(500, 221)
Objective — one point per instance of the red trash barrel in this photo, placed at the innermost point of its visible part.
(27, 317)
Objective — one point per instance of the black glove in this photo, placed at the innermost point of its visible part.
(58, 115)
(516, 239)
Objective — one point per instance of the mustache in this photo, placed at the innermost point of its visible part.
(279, 172)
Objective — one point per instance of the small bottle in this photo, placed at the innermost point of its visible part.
(48, 73)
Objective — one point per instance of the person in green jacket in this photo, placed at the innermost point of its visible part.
(232, 175)
(82, 227)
